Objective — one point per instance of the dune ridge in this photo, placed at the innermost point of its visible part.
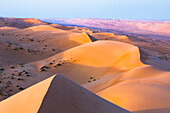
(57, 95)
(112, 69)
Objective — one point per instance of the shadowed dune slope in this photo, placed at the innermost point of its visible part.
(36, 43)
(98, 59)
(111, 36)
(112, 70)
(57, 95)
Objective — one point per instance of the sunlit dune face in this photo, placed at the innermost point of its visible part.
(27, 101)
(140, 93)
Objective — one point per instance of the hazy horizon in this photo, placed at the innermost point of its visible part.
(104, 9)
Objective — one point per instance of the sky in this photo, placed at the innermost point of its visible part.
(111, 9)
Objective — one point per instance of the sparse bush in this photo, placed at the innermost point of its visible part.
(19, 74)
(50, 63)
(45, 67)
(91, 77)
(59, 64)
(21, 64)
(1, 91)
(43, 70)
(28, 50)
(20, 79)
(32, 40)
(21, 88)
(12, 67)
(53, 49)
(163, 58)
(1, 69)
(89, 81)
(15, 48)
(20, 47)
(28, 75)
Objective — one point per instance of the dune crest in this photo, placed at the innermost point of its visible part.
(57, 95)
(104, 63)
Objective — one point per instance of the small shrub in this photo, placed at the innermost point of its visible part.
(32, 40)
(94, 79)
(50, 63)
(89, 81)
(1, 69)
(21, 88)
(1, 91)
(163, 58)
(20, 47)
(43, 70)
(22, 64)
(12, 67)
(28, 50)
(45, 67)
(15, 49)
(91, 77)
(19, 74)
(53, 49)
(28, 75)
(20, 79)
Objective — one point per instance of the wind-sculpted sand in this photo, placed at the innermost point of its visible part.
(100, 72)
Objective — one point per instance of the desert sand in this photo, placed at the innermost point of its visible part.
(109, 65)
(57, 94)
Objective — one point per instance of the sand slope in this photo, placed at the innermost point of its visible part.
(57, 95)
(111, 36)
(37, 43)
(111, 69)
(142, 88)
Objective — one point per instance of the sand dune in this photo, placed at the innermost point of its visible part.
(117, 74)
(57, 95)
(36, 41)
(111, 36)
(140, 89)
(111, 69)
(20, 22)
